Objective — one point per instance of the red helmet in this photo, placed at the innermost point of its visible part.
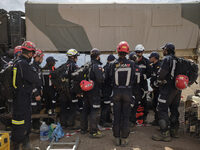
(18, 49)
(181, 82)
(123, 47)
(86, 85)
(38, 52)
(29, 46)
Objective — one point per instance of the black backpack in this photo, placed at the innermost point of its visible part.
(6, 80)
(59, 77)
(82, 73)
(188, 68)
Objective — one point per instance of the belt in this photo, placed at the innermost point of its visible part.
(123, 87)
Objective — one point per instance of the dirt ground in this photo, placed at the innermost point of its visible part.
(140, 139)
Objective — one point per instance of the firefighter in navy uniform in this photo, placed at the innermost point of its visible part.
(169, 97)
(36, 105)
(155, 63)
(25, 80)
(69, 100)
(136, 90)
(145, 68)
(6, 98)
(49, 92)
(17, 51)
(105, 118)
(6, 61)
(38, 58)
(92, 99)
(122, 75)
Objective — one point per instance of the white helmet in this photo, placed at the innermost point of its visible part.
(139, 48)
(72, 52)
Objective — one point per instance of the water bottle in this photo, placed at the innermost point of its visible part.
(44, 131)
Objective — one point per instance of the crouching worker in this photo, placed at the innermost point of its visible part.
(24, 80)
(122, 75)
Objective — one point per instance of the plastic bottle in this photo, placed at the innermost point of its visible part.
(44, 131)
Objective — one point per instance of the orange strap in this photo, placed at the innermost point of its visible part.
(53, 69)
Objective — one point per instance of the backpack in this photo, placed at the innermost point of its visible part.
(188, 68)
(6, 80)
(82, 73)
(59, 77)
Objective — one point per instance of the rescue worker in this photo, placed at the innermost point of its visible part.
(91, 104)
(68, 99)
(49, 90)
(17, 51)
(36, 105)
(6, 98)
(155, 63)
(145, 69)
(105, 118)
(122, 75)
(169, 97)
(25, 80)
(136, 91)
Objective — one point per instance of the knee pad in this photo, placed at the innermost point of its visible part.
(163, 124)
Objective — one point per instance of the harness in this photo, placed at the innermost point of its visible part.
(123, 68)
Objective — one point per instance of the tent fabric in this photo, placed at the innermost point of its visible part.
(58, 27)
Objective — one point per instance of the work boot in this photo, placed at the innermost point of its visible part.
(163, 136)
(98, 134)
(117, 141)
(124, 142)
(174, 133)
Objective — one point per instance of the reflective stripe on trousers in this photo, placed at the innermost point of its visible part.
(15, 122)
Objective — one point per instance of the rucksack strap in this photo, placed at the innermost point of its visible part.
(89, 71)
(4, 60)
(173, 68)
(15, 73)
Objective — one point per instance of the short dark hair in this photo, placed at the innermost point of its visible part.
(123, 54)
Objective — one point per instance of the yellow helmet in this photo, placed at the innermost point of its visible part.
(72, 52)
